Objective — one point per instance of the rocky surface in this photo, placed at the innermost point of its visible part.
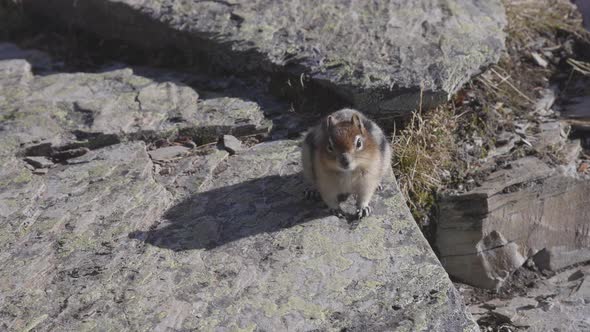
(530, 209)
(231, 144)
(375, 55)
(550, 303)
(63, 115)
(528, 200)
(109, 239)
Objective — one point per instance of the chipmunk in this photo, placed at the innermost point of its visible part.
(345, 154)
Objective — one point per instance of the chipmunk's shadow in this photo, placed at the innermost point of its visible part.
(213, 218)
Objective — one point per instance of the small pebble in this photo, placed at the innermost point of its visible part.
(231, 144)
(40, 171)
(39, 162)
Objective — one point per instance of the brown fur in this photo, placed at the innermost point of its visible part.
(343, 169)
(343, 136)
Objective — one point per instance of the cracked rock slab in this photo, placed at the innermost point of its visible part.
(50, 114)
(103, 242)
(529, 209)
(246, 251)
(102, 245)
(559, 303)
(376, 55)
(64, 251)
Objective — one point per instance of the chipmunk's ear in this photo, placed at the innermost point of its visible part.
(356, 121)
(330, 122)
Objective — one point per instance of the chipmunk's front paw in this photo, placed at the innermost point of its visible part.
(337, 212)
(363, 212)
(311, 195)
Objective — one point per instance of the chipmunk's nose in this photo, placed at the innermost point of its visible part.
(345, 161)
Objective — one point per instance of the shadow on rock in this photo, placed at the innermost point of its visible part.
(213, 218)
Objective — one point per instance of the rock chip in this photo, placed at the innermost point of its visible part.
(169, 152)
(39, 162)
(377, 56)
(40, 171)
(231, 144)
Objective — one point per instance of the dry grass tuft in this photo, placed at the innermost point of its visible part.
(429, 145)
(422, 150)
(529, 19)
(530, 22)
(580, 66)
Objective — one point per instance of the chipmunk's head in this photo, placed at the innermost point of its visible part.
(347, 144)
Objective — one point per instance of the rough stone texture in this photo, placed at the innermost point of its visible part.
(527, 199)
(559, 303)
(108, 240)
(39, 162)
(169, 152)
(231, 144)
(485, 234)
(244, 252)
(52, 114)
(269, 260)
(374, 54)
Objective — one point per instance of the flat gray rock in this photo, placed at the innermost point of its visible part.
(231, 144)
(108, 240)
(250, 253)
(51, 114)
(527, 210)
(559, 303)
(102, 245)
(376, 55)
(169, 152)
(39, 162)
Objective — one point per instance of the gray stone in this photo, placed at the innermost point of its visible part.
(375, 55)
(101, 242)
(40, 171)
(557, 304)
(544, 104)
(231, 144)
(539, 60)
(244, 252)
(64, 235)
(63, 115)
(39, 162)
(291, 266)
(188, 175)
(169, 152)
(584, 8)
(583, 289)
(577, 108)
(485, 234)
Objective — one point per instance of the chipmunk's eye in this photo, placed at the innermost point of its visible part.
(359, 143)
